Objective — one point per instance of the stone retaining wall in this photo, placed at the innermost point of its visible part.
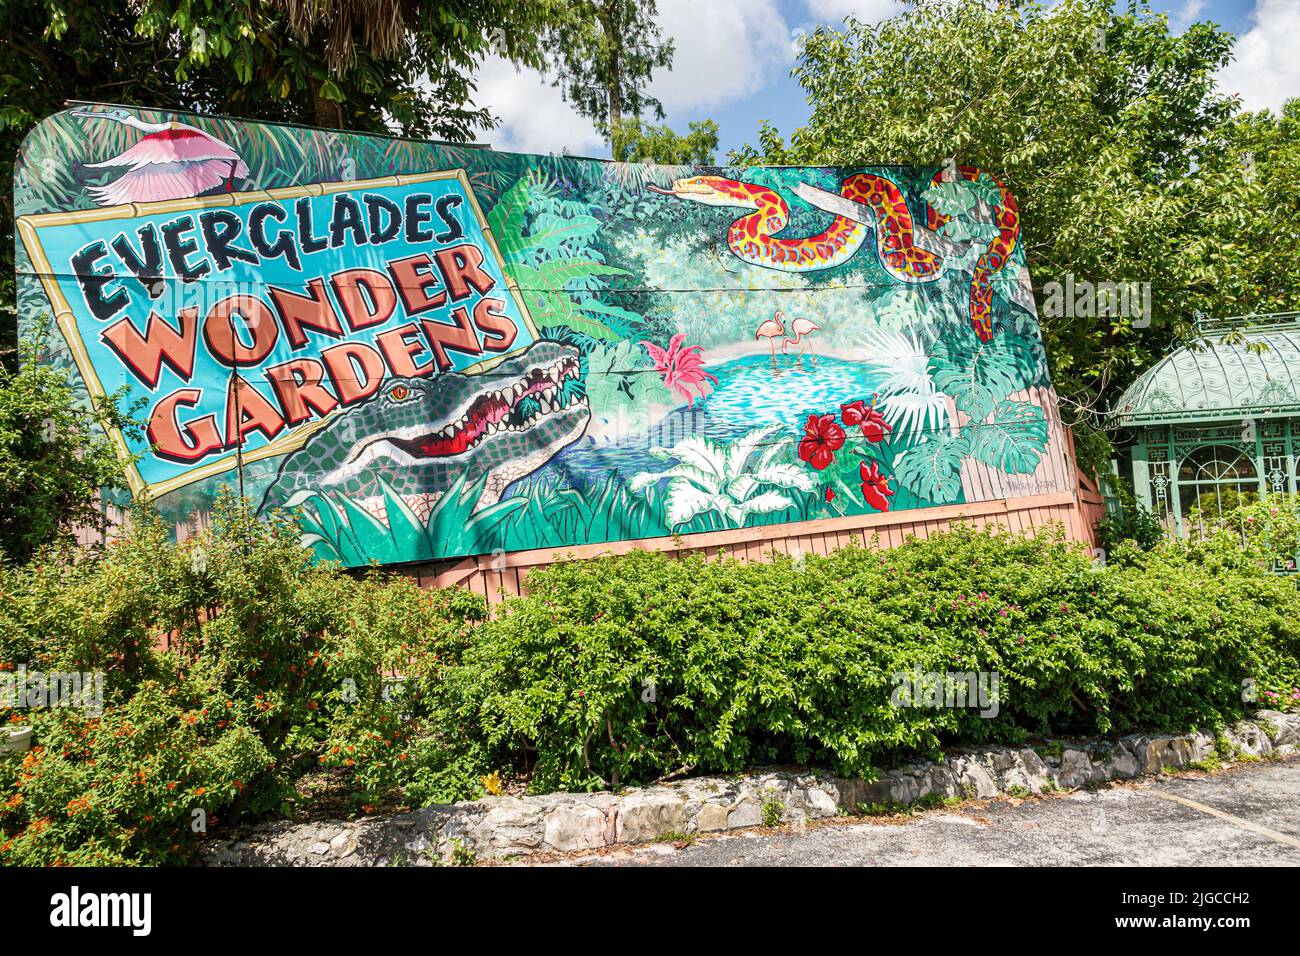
(498, 827)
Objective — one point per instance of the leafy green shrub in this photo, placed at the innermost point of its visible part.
(232, 663)
(625, 669)
(54, 457)
(1132, 521)
(1267, 528)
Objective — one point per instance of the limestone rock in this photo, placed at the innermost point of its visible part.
(643, 818)
(1122, 763)
(747, 813)
(575, 828)
(1076, 769)
(511, 824)
(711, 817)
(1250, 738)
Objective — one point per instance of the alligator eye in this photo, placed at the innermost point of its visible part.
(399, 393)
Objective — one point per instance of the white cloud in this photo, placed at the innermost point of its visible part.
(534, 117)
(1186, 15)
(1266, 71)
(724, 50)
(868, 11)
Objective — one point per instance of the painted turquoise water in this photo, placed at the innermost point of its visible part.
(751, 391)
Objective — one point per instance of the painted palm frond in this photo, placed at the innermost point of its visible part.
(548, 246)
(909, 398)
(636, 176)
(736, 481)
(979, 374)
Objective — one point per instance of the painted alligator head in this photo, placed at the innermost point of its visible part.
(422, 434)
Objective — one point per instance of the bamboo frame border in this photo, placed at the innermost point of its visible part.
(29, 227)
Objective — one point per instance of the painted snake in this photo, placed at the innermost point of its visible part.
(753, 238)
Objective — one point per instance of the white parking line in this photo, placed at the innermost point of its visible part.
(1236, 821)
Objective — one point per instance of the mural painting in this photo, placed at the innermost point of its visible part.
(424, 351)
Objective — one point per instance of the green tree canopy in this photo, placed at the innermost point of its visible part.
(54, 458)
(640, 142)
(1127, 163)
(605, 54)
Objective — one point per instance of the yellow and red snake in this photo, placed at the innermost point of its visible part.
(752, 237)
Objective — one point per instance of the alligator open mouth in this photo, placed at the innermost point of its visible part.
(501, 410)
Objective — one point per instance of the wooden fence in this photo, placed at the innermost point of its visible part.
(498, 576)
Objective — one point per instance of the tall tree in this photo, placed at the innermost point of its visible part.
(1105, 125)
(605, 54)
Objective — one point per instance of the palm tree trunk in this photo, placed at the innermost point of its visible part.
(325, 112)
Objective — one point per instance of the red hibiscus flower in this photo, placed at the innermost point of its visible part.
(830, 494)
(821, 440)
(875, 486)
(853, 413)
(874, 426)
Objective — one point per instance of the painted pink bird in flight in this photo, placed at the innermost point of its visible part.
(173, 161)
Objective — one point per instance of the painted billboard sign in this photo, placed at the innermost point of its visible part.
(424, 351)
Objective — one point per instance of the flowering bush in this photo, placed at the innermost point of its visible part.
(1268, 528)
(233, 664)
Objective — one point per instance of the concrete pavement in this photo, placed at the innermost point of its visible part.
(1245, 816)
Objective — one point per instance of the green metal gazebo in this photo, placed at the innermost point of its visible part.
(1217, 421)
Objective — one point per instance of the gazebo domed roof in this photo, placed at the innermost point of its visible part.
(1239, 369)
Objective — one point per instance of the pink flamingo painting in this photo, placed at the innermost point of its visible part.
(771, 329)
(172, 161)
(803, 329)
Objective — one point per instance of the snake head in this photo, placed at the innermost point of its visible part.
(710, 190)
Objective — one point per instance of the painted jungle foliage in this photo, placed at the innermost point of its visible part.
(426, 351)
